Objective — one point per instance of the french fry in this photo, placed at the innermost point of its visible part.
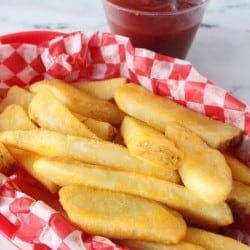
(51, 114)
(70, 172)
(157, 111)
(92, 209)
(103, 89)
(212, 241)
(26, 160)
(203, 169)
(147, 245)
(239, 198)
(104, 130)
(15, 117)
(149, 144)
(16, 95)
(240, 171)
(62, 154)
(7, 162)
(80, 102)
(52, 143)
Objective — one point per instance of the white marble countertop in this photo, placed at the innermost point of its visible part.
(221, 49)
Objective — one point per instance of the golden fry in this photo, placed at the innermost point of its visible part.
(69, 172)
(239, 198)
(212, 241)
(52, 143)
(26, 160)
(240, 171)
(104, 130)
(147, 245)
(119, 215)
(203, 169)
(14, 117)
(16, 95)
(149, 144)
(80, 102)
(49, 113)
(103, 89)
(157, 111)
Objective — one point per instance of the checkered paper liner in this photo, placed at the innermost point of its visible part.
(34, 225)
(104, 55)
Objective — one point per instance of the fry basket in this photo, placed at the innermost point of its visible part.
(27, 57)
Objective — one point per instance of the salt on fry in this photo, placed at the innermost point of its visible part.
(118, 215)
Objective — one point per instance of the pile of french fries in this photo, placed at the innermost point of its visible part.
(127, 164)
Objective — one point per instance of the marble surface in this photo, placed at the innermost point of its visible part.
(220, 51)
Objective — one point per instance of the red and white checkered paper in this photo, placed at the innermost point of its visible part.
(33, 225)
(103, 55)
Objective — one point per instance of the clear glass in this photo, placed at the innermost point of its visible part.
(166, 32)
